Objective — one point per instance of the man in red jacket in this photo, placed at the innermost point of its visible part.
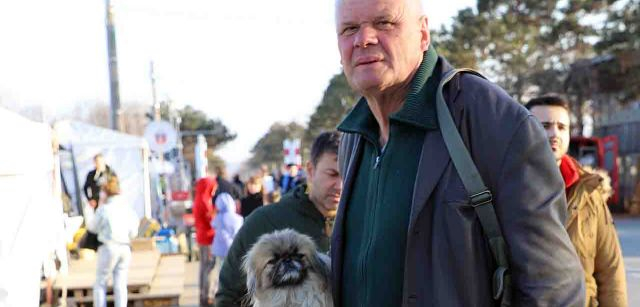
(203, 212)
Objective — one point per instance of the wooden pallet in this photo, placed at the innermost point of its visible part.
(165, 289)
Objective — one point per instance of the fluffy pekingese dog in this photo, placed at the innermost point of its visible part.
(284, 268)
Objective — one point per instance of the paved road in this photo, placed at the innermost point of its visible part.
(629, 234)
(189, 297)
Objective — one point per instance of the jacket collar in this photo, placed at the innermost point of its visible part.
(569, 171)
(418, 109)
(576, 175)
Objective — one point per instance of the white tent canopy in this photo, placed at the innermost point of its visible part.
(126, 154)
(30, 215)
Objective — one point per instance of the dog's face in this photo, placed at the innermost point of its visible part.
(279, 259)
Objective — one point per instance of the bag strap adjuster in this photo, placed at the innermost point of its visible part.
(482, 198)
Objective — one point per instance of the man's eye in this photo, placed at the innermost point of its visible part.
(384, 24)
(349, 30)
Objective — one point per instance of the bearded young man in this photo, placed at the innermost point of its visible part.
(590, 225)
(407, 232)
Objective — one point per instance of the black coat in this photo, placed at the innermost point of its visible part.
(249, 203)
(93, 183)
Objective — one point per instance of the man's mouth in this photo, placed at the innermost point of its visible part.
(366, 60)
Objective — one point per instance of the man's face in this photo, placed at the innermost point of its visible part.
(325, 182)
(381, 42)
(555, 121)
(99, 163)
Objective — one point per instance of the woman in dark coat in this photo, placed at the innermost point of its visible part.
(254, 196)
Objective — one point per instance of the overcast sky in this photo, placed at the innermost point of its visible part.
(247, 62)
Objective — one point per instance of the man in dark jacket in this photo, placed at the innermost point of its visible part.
(307, 209)
(406, 233)
(96, 179)
(226, 186)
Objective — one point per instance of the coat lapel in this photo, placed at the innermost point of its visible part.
(337, 240)
(433, 161)
(434, 156)
(349, 178)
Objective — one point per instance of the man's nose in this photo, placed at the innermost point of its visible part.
(366, 36)
(553, 130)
(338, 185)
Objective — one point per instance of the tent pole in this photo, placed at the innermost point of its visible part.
(147, 184)
(76, 181)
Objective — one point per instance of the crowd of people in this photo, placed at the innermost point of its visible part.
(219, 208)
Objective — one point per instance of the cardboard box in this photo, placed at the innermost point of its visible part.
(143, 244)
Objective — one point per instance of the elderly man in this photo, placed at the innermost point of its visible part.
(309, 209)
(406, 233)
(590, 225)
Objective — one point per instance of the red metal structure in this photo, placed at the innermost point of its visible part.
(602, 153)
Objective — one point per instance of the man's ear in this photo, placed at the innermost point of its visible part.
(310, 169)
(425, 39)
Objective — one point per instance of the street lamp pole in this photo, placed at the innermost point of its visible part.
(156, 105)
(113, 68)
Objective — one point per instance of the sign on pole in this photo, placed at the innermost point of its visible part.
(292, 152)
(161, 136)
(201, 160)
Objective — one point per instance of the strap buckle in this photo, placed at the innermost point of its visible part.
(481, 198)
(499, 276)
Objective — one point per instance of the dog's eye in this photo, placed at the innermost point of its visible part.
(272, 261)
(299, 256)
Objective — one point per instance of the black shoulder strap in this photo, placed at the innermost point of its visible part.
(481, 198)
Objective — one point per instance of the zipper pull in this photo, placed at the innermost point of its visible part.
(375, 166)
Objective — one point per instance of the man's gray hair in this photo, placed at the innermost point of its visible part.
(416, 6)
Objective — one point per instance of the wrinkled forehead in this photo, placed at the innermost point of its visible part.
(346, 10)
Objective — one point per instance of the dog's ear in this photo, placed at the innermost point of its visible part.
(251, 284)
(251, 279)
(251, 290)
(321, 264)
(252, 273)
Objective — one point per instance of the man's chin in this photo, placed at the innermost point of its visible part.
(331, 206)
(366, 82)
